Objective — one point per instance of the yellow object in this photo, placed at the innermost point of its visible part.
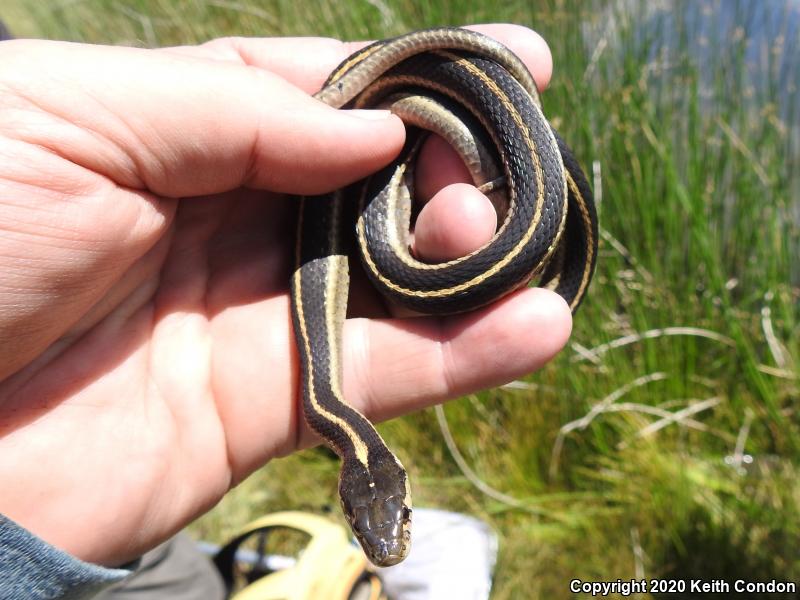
(329, 567)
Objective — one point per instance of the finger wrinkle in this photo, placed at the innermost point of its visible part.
(448, 365)
(254, 160)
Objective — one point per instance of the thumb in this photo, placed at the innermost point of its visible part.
(182, 126)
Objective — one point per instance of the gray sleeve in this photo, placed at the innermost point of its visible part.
(32, 568)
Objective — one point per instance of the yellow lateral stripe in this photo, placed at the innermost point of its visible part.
(337, 263)
(358, 444)
(402, 253)
(505, 260)
(334, 343)
(586, 276)
(352, 62)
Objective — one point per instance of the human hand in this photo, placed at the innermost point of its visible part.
(146, 351)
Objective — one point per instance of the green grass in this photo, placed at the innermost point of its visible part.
(695, 144)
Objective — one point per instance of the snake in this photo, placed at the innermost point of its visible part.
(476, 94)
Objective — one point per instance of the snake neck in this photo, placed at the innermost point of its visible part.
(373, 485)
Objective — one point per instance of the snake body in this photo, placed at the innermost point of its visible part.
(480, 97)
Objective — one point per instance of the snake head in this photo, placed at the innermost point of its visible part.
(377, 505)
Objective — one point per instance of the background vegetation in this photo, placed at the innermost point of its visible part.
(664, 442)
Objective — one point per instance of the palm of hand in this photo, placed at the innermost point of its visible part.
(159, 370)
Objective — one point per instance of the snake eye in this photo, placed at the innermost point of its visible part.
(406, 513)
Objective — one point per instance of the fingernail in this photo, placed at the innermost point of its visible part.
(370, 115)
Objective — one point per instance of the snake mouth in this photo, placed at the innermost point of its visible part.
(388, 561)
